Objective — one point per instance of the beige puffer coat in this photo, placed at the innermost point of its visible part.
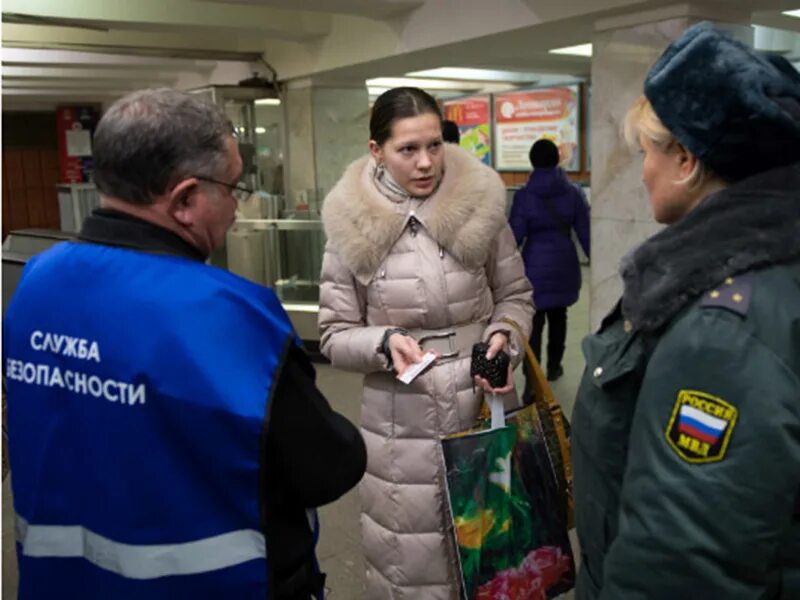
(460, 267)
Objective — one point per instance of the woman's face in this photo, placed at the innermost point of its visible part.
(414, 153)
(660, 173)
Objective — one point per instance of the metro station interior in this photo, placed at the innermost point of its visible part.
(297, 78)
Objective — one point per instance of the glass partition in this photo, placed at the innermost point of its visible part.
(279, 248)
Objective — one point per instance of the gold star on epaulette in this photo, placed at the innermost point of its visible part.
(732, 294)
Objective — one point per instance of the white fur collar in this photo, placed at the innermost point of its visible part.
(464, 215)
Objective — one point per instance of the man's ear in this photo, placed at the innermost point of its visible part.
(376, 151)
(183, 200)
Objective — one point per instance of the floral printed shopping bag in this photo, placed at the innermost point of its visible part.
(510, 494)
(507, 512)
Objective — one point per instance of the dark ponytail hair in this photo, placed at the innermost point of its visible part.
(399, 103)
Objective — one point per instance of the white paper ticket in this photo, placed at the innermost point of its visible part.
(411, 372)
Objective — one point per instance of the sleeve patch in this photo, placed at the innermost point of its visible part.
(700, 427)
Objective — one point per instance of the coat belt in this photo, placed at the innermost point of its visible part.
(450, 342)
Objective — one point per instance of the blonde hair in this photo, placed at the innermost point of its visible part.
(642, 121)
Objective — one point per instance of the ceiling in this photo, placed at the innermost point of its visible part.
(96, 50)
(376, 9)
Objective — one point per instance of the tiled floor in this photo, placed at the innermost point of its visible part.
(340, 544)
(9, 558)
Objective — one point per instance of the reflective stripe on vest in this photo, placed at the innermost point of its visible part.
(145, 561)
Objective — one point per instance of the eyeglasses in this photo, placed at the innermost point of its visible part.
(239, 191)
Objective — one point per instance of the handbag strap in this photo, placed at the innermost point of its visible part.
(543, 395)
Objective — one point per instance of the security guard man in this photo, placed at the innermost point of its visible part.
(686, 429)
(166, 436)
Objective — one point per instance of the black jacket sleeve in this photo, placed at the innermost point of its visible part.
(312, 456)
(317, 453)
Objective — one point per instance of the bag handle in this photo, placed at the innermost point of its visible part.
(543, 395)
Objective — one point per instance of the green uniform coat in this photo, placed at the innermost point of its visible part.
(686, 430)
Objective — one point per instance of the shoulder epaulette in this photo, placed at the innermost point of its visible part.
(732, 294)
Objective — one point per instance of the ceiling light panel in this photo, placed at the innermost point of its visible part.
(579, 50)
(429, 84)
(465, 73)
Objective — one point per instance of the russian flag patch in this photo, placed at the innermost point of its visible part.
(700, 426)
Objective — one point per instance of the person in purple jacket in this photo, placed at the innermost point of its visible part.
(543, 216)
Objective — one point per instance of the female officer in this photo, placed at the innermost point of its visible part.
(687, 424)
(419, 257)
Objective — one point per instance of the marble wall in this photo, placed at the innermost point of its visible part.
(299, 167)
(341, 127)
(327, 129)
(621, 215)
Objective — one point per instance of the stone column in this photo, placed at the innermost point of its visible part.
(327, 127)
(624, 49)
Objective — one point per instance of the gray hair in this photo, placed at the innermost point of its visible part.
(152, 139)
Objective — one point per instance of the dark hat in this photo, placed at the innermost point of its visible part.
(736, 110)
(544, 154)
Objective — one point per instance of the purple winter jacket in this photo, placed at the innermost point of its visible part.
(551, 260)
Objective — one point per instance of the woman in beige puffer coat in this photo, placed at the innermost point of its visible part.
(446, 263)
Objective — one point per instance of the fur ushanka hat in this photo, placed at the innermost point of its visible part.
(736, 110)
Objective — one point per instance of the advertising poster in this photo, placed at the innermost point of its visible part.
(75, 130)
(522, 117)
(472, 115)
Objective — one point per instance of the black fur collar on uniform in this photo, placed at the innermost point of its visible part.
(751, 224)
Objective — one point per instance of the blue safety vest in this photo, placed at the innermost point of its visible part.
(138, 389)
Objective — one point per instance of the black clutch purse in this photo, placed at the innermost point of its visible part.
(494, 371)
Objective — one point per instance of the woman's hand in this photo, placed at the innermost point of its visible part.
(498, 341)
(405, 352)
